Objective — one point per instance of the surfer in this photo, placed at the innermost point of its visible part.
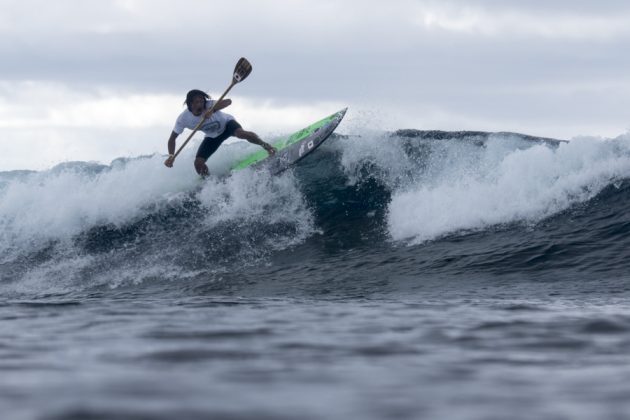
(218, 126)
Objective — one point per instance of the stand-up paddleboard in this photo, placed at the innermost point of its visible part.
(293, 148)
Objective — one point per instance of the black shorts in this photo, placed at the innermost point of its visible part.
(211, 144)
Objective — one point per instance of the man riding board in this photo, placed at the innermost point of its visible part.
(218, 126)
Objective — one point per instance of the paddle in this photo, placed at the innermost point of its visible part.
(241, 71)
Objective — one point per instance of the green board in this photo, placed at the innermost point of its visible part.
(294, 147)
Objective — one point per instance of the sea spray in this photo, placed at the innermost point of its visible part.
(506, 186)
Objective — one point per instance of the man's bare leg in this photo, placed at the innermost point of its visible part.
(252, 137)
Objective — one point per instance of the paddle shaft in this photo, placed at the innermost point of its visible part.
(204, 119)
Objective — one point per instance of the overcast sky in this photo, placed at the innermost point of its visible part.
(95, 80)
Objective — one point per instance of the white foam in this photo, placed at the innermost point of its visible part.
(62, 202)
(57, 204)
(501, 184)
(256, 197)
(59, 275)
(385, 156)
(52, 207)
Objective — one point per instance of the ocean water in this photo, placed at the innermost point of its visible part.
(406, 275)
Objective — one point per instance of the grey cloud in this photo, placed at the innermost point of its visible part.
(377, 55)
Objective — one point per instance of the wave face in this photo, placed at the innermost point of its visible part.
(436, 203)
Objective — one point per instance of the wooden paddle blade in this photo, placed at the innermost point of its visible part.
(242, 70)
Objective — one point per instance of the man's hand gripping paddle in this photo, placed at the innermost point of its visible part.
(241, 71)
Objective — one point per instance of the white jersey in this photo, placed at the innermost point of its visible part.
(211, 127)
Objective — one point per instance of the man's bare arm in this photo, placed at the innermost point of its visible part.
(223, 103)
(171, 149)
